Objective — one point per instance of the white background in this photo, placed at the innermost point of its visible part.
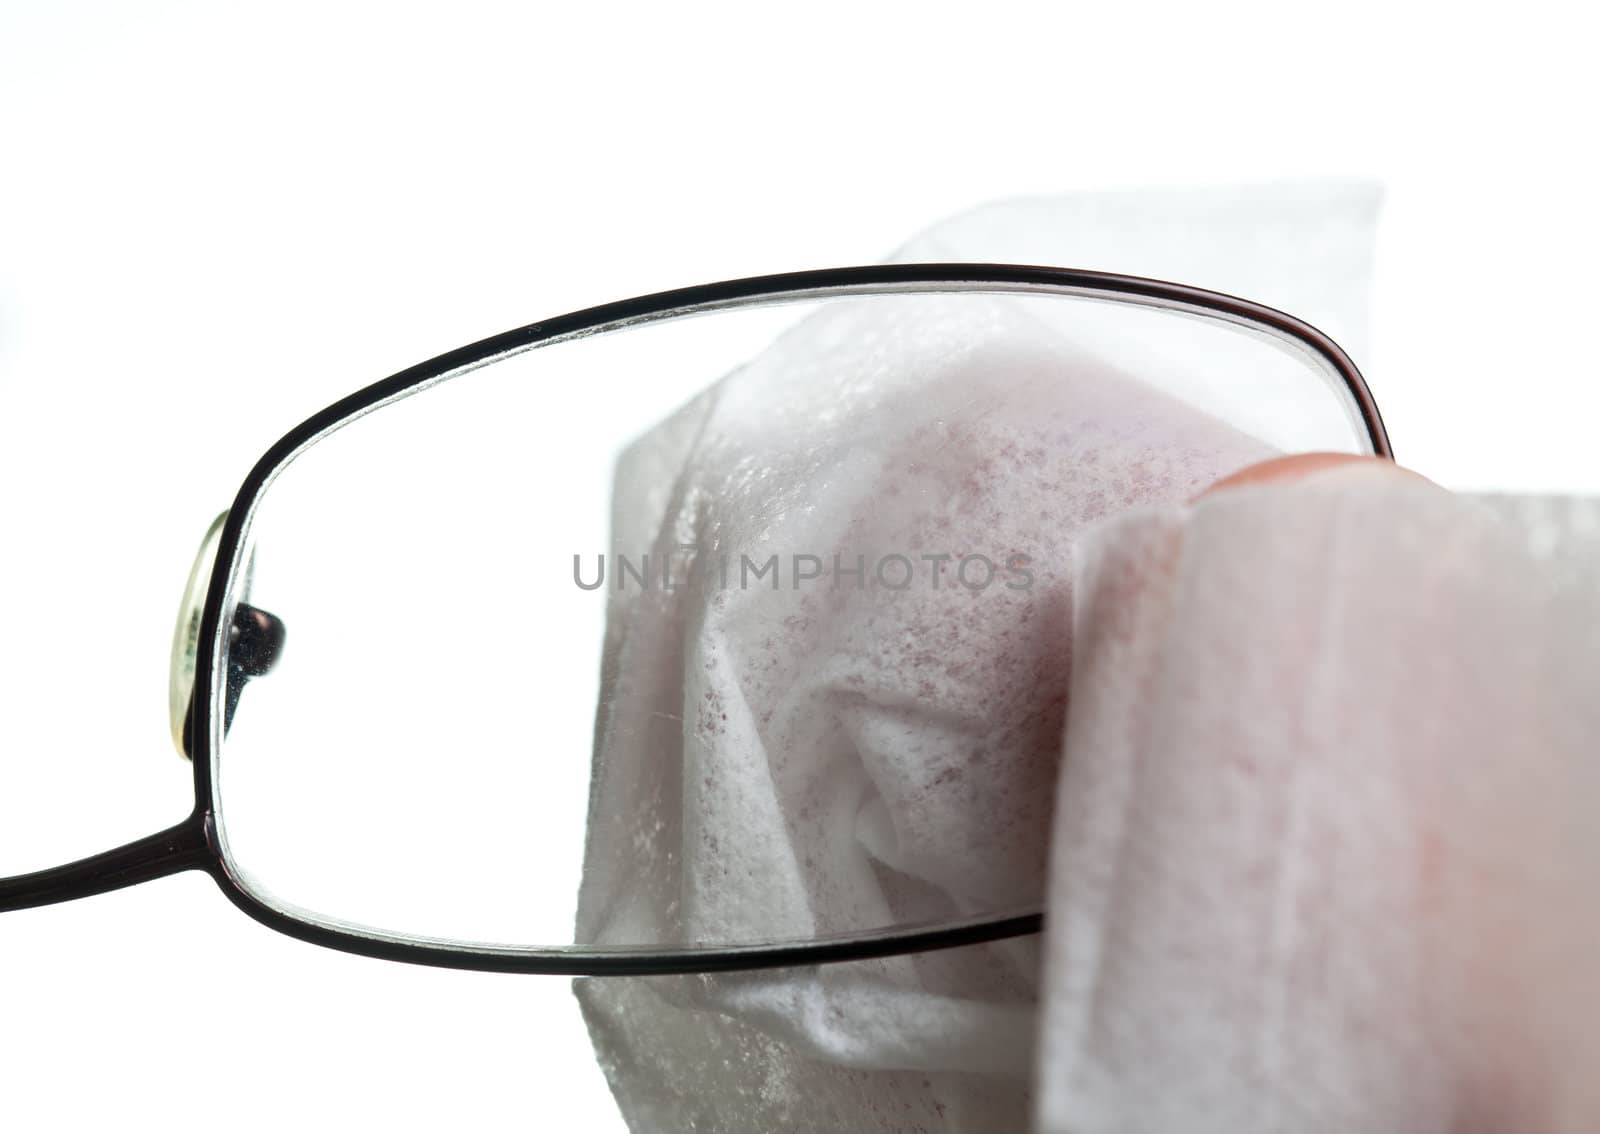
(214, 220)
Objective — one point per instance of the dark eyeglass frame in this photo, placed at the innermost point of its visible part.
(194, 843)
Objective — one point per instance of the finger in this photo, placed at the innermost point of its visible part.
(1293, 468)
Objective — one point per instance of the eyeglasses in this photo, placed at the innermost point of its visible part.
(713, 629)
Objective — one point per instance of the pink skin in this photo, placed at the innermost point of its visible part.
(1289, 469)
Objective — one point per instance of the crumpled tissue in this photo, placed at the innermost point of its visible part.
(779, 768)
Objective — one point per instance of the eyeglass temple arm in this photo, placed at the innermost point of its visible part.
(255, 643)
(182, 847)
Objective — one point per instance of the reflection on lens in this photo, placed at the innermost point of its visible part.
(743, 628)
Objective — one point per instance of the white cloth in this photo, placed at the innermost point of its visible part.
(787, 768)
(1325, 852)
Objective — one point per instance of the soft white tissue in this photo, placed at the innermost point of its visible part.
(770, 767)
(1325, 852)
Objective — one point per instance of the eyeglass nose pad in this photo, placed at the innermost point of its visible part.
(255, 641)
(186, 637)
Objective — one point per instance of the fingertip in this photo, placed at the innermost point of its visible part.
(1295, 467)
